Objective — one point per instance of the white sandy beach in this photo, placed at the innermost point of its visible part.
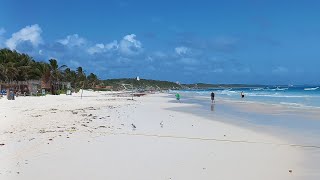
(65, 137)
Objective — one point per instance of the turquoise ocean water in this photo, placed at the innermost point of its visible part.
(291, 96)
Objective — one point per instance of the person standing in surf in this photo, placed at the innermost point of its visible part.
(212, 97)
(242, 94)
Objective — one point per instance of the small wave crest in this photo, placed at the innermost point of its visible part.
(311, 89)
(258, 89)
(277, 95)
(228, 92)
(279, 89)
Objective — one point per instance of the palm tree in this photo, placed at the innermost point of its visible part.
(81, 77)
(2, 66)
(24, 65)
(15, 66)
(55, 74)
(10, 72)
(92, 80)
(41, 71)
(2, 72)
(80, 73)
(7, 68)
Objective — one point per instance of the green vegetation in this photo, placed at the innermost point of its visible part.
(118, 84)
(16, 67)
(207, 86)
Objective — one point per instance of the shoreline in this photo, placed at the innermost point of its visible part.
(64, 137)
(250, 109)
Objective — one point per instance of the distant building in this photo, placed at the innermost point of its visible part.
(104, 87)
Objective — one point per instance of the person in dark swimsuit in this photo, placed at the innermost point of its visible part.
(212, 97)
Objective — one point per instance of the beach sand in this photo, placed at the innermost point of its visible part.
(102, 136)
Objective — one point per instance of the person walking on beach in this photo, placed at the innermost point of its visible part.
(212, 97)
(178, 97)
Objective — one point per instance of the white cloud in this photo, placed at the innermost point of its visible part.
(73, 40)
(112, 46)
(129, 45)
(29, 33)
(182, 50)
(280, 69)
(100, 48)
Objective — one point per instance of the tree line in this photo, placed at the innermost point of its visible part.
(15, 66)
(141, 84)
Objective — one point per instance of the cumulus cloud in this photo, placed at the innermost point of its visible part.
(30, 34)
(181, 50)
(100, 48)
(72, 41)
(112, 46)
(129, 45)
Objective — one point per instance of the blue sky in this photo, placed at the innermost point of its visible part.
(249, 41)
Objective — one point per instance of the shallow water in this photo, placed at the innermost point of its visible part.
(299, 126)
(298, 96)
